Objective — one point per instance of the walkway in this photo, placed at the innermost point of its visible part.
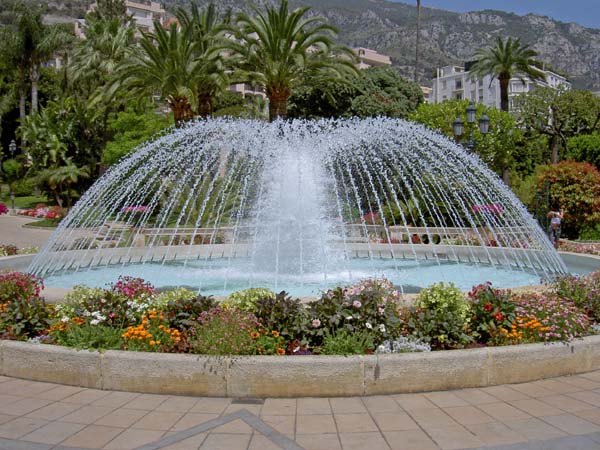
(561, 413)
(12, 232)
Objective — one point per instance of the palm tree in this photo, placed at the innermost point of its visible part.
(164, 62)
(61, 179)
(207, 32)
(505, 60)
(418, 40)
(278, 49)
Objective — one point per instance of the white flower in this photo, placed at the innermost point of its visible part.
(316, 323)
(356, 304)
(64, 319)
(349, 318)
(94, 322)
(382, 328)
(369, 326)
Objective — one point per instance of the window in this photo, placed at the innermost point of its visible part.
(459, 96)
(444, 84)
(459, 84)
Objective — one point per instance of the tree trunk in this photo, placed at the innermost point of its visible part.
(278, 105)
(22, 103)
(35, 78)
(418, 41)
(504, 81)
(506, 175)
(182, 111)
(205, 107)
(554, 144)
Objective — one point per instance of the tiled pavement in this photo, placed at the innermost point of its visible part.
(560, 413)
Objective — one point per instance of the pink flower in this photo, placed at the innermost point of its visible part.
(316, 323)
(356, 304)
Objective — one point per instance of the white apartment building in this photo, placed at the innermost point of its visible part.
(143, 12)
(457, 83)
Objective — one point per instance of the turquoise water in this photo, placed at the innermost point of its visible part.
(217, 277)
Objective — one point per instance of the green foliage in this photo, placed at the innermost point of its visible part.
(281, 313)
(575, 188)
(584, 292)
(23, 313)
(12, 170)
(184, 307)
(224, 332)
(86, 336)
(269, 342)
(441, 317)
(343, 342)
(130, 129)
(370, 306)
(491, 310)
(585, 148)
(377, 91)
(247, 299)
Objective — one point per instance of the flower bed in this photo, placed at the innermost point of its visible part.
(12, 250)
(368, 317)
(586, 248)
(42, 211)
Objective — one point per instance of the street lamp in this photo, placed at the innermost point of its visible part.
(12, 148)
(458, 126)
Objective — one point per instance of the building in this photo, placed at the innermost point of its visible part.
(456, 83)
(143, 12)
(370, 58)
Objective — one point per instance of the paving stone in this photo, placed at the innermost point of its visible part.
(59, 393)
(381, 404)
(116, 399)
(146, 402)
(362, 441)
(467, 415)
(132, 438)
(446, 399)
(25, 406)
(495, 433)
(432, 418)
(20, 426)
(536, 408)
(454, 437)
(260, 442)
(313, 423)
(349, 405)
(226, 442)
(54, 432)
(328, 441)
(571, 424)
(354, 423)
(237, 426)
(54, 411)
(284, 424)
(313, 406)
(279, 406)
(409, 440)
(394, 421)
(157, 420)
(505, 393)
(503, 411)
(413, 402)
(475, 396)
(86, 396)
(92, 436)
(87, 414)
(190, 420)
(535, 429)
(123, 417)
(565, 403)
(192, 443)
(211, 405)
(177, 404)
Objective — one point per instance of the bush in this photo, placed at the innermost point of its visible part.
(584, 292)
(152, 334)
(575, 187)
(75, 334)
(404, 344)
(343, 342)
(133, 288)
(224, 332)
(8, 250)
(546, 318)
(268, 342)
(3, 208)
(101, 307)
(23, 313)
(492, 310)
(282, 313)
(441, 317)
(370, 306)
(247, 298)
(183, 309)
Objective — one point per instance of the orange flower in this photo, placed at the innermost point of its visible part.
(254, 334)
(275, 333)
(280, 351)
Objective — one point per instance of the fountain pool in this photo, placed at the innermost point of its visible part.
(222, 205)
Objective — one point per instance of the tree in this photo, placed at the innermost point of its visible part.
(31, 43)
(504, 61)
(559, 114)
(585, 148)
(377, 91)
(163, 62)
(61, 179)
(575, 188)
(207, 32)
(500, 148)
(278, 49)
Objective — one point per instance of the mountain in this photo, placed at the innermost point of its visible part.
(447, 37)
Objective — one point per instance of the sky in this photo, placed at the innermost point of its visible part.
(583, 12)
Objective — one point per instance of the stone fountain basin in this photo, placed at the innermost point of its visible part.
(297, 376)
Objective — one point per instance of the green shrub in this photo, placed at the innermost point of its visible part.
(343, 342)
(23, 313)
(584, 292)
(282, 313)
(370, 306)
(268, 342)
(224, 332)
(86, 336)
(247, 298)
(492, 310)
(182, 310)
(441, 317)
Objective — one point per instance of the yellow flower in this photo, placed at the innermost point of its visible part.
(275, 333)
(254, 334)
(280, 351)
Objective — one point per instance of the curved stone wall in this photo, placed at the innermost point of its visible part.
(297, 376)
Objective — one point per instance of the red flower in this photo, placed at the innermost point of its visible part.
(498, 316)
(487, 307)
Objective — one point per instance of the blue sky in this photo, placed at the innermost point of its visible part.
(584, 12)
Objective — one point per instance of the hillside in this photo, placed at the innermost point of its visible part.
(447, 37)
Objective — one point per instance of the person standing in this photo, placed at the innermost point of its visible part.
(556, 218)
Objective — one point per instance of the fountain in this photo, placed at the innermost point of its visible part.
(222, 205)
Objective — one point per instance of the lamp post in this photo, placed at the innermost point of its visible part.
(458, 127)
(12, 148)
